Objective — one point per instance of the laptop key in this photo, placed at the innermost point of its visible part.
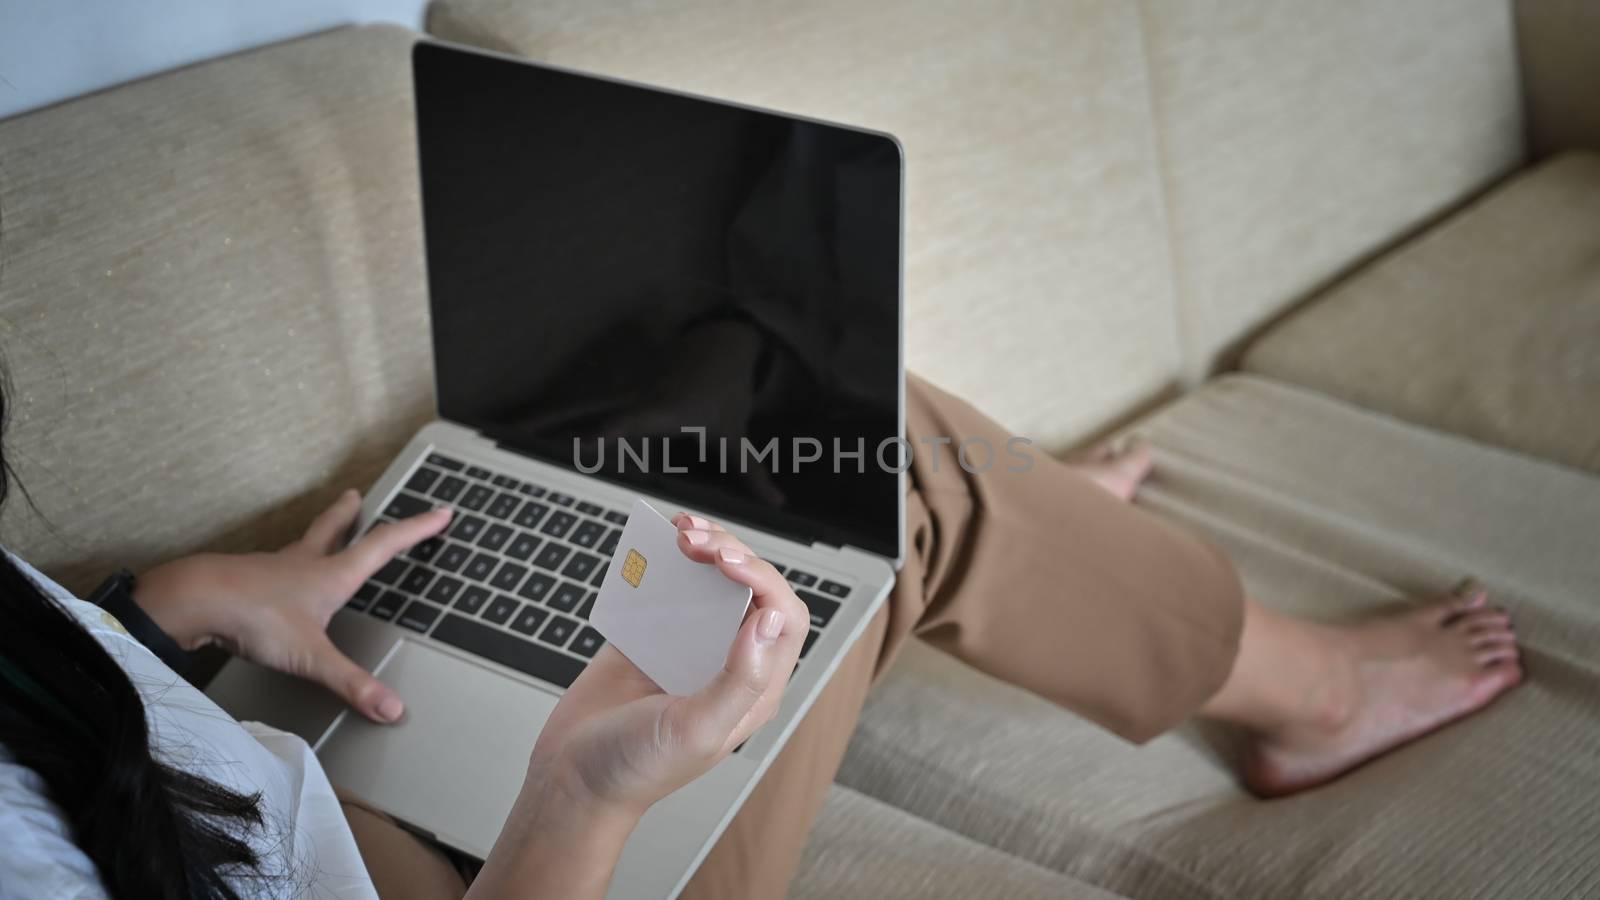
(616, 518)
(566, 597)
(532, 490)
(523, 546)
(803, 579)
(363, 597)
(587, 643)
(504, 506)
(509, 576)
(559, 523)
(481, 567)
(388, 605)
(426, 550)
(588, 533)
(551, 557)
(508, 650)
(780, 567)
(444, 590)
(418, 616)
(834, 588)
(495, 537)
(530, 514)
(600, 574)
(609, 545)
(478, 472)
(559, 631)
(390, 573)
(452, 557)
(444, 462)
(505, 481)
(587, 508)
(449, 489)
(528, 620)
(403, 506)
(822, 609)
(416, 580)
(561, 499)
(581, 566)
(472, 599)
(501, 609)
(588, 606)
(422, 479)
(537, 586)
(477, 497)
(467, 528)
(811, 638)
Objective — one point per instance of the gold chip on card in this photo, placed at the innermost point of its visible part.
(633, 567)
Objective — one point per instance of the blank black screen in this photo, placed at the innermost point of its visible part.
(608, 261)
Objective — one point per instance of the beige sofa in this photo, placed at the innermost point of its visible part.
(1337, 261)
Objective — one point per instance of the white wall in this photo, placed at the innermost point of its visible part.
(54, 49)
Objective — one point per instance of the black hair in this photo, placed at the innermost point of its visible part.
(69, 712)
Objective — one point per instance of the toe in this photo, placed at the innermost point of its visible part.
(1497, 653)
(1479, 620)
(1466, 597)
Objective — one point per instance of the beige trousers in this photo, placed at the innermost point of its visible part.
(1039, 578)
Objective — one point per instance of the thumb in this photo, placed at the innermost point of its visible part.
(353, 684)
(714, 718)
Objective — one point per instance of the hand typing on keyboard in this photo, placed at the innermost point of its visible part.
(273, 608)
(616, 743)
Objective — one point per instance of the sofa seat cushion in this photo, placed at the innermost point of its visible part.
(1331, 511)
(213, 297)
(864, 849)
(1487, 325)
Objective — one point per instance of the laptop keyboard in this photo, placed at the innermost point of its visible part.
(514, 577)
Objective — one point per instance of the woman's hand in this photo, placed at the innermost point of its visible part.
(273, 608)
(616, 743)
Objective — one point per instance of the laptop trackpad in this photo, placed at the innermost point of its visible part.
(455, 761)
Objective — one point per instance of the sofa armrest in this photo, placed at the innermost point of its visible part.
(1556, 40)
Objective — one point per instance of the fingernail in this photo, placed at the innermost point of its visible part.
(730, 555)
(697, 522)
(697, 537)
(770, 626)
(391, 708)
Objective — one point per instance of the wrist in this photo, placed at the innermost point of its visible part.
(176, 597)
(559, 840)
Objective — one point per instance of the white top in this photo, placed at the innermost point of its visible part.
(305, 846)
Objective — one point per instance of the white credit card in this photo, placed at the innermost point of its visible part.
(676, 619)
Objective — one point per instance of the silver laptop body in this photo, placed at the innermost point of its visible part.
(480, 676)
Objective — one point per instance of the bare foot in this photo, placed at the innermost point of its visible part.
(1120, 472)
(1405, 675)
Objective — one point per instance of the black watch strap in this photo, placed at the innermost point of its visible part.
(115, 596)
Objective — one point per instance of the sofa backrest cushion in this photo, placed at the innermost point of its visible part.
(1036, 279)
(1300, 137)
(212, 301)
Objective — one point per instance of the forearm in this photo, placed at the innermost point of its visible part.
(555, 844)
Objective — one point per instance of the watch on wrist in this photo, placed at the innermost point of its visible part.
(115, 596)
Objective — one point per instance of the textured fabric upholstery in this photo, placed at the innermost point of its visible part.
(1036, 279)
(1300, 136)
(212, 301)
(1488, 325)
(1331, 511)
(864, 849)
(1558, 45)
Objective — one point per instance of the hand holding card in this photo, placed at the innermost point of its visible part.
(623, 740)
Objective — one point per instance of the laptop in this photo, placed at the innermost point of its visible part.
(634, 293)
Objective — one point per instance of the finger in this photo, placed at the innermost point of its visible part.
(713, 719)
(688, 520)
(353, 684)
(390, 539)
(702, 546)
(329, 530)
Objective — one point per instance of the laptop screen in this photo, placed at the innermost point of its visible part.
(688, 297)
